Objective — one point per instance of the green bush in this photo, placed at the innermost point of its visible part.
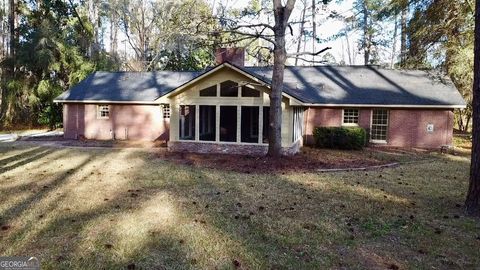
(348, 138)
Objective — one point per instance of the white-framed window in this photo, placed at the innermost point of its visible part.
(103, 111)
(379, 128)
(166, 110)
(187, 122)
(297, 123)
(350, 116)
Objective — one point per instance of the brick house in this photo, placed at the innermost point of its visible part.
(225, 108)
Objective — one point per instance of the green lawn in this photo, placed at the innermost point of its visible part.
(119, 208)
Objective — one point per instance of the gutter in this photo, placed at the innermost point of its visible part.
(386, 106)
(106, 101)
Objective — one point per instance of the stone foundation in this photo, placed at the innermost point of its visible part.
(225, 148)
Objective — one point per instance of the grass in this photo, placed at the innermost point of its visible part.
(119, 208)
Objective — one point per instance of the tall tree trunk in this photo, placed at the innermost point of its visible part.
(366, 39)
(113, 33)
(472, 203)
(11, 20)
(350, 62)
(302, 29)
(282, 14)
(314, 29)
(10, 70)
(403, 38)
(394, 45)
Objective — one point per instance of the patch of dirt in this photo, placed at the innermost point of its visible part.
(308, 160)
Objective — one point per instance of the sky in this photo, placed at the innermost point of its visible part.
(325, 28)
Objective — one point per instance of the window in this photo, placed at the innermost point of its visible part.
(207, 123)
(297, 123)
(228, 123)
(249, 124)
(166, 110)
(350, 116)
(103, 111)
(229, 89)
(379, 125)
(249, 92)
(187, 122)
(209, 92)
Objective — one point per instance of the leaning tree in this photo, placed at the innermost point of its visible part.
(472, 202)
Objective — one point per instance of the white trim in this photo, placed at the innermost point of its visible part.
(386, 106)
(197, 122)
(378, 141)
(106, 101)
(239, 124)
(350, 124)
(303, 104)
(100, 110)
(387, 133)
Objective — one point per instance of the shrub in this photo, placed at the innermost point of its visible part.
(349, 138)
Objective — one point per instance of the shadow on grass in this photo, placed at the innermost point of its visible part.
(221, 219)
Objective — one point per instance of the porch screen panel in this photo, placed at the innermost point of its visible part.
(297, 123)
(207, 123)
(249, 124)
(228, 123)
(187, 122)
(266, 124)
(379, 125)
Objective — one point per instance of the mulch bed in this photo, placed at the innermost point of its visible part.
(307, 160)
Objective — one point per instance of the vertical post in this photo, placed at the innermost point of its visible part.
(260, 124)
(217, 123)
(197, 123)
(239, 124)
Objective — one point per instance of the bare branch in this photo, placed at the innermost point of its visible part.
(309, 61)
(309, 53)
(291, 29)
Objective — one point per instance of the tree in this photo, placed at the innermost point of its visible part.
(472, 203)
(239, 29)
(440, 34)
(370, 15)
(281, 15)
(8, 70)
(161, 33)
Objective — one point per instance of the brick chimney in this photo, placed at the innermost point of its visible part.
(234, 55)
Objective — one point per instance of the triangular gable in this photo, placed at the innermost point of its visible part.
(186, 85)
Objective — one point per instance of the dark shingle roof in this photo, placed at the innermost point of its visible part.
(127, 86)
(364, 85)
(353, 85)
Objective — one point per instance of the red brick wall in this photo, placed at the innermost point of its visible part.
(135, 122)
(364, 118)
(324, 117)
(407, 128)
